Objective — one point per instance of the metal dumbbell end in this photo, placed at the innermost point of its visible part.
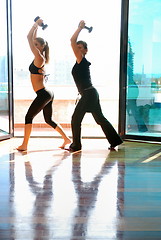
(44, 26)
(89, 28)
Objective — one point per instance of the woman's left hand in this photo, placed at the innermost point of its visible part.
(81, 24)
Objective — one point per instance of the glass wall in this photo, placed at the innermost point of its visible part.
(143, 95)
(104, 53)
(5, 71)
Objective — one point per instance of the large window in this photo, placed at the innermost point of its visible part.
(62, 18)
(143, 116)
(5, 71)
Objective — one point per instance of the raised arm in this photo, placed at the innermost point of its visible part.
(73, 40)
(32, 36)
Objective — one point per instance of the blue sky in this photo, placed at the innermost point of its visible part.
(145, 35)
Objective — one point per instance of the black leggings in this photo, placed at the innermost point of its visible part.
(43, 101)
(89, 102)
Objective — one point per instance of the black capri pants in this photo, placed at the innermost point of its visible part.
(43, 101)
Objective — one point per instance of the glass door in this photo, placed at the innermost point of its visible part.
(141, 71)
(6, 122)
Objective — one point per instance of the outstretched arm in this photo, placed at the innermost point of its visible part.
(73, 40)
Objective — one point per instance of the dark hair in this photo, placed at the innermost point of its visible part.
(46, 47)
(83, 43)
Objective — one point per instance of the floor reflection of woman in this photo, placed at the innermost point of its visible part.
(44, 99)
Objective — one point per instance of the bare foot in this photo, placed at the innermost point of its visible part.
(66, 141)
(22, 148)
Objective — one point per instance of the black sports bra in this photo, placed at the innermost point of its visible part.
(35, 70)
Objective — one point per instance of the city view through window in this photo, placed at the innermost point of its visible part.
(4, 104)
(144, 71)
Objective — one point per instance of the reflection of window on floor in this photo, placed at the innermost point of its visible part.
(104, 59)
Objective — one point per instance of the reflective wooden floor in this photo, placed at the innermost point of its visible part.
(48, 193)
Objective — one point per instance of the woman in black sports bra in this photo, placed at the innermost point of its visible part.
(44, 98)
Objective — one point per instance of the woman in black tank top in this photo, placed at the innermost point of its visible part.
(44, 98)
(89, 101)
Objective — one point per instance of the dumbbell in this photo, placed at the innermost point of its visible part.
(89, 28)
(44, 26)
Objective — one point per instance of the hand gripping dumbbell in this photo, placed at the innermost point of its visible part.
(89, 28)
(44, 26)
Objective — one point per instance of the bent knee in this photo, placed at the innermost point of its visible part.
(28, 119)
(51, 123)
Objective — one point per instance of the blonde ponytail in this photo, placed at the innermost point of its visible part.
(46, 47)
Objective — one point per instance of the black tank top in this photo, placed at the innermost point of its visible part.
(35, 70)
(81, 75)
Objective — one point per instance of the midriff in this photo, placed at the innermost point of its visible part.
(37, 81)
